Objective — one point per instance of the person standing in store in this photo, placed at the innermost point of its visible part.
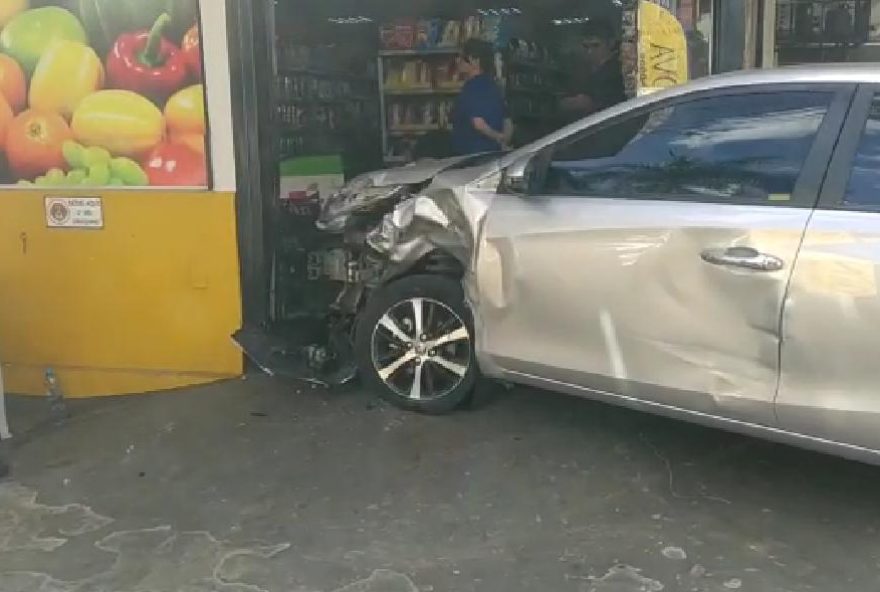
(480, 122)
(600, 85)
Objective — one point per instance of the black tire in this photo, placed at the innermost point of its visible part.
(440, 296)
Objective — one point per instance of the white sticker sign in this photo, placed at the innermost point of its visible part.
(74, 212)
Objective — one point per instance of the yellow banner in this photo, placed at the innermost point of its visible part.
(663, 52)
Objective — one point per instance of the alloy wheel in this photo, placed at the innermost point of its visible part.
(421, 349)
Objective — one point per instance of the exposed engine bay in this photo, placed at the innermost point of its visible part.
(330, 253)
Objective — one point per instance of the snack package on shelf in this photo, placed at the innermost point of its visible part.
(398, 34)
(401, 116)
(414, 75)
(423, 75)
(393, 75)
(436, 32)
(428, 32)
(408, 75)
(446, 75)
(472, 28)
(442, 74)
(452, 34)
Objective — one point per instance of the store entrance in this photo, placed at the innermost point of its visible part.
(367, 85)
(374, 83)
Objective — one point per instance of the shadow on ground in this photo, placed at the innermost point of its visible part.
(260, 485)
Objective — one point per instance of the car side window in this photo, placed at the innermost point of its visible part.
(864, 181)
(730, 149)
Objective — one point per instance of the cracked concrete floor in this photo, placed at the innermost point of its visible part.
(259, 485)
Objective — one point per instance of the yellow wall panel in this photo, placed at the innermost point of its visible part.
(147, 303)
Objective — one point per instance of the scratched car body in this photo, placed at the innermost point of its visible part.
(709, 252)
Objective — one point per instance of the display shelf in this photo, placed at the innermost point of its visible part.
(390, 53)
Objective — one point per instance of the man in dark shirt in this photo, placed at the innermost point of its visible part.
(480, 120)
(602, 86)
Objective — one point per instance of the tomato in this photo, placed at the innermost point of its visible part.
(176, 165)
(6, 117)
(33, 143)
(12, 83)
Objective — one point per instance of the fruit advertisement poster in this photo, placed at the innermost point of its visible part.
(102, 93)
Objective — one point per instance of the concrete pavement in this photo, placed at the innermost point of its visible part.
(259, 485)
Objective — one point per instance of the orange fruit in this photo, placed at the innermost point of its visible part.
(33, 143)
(6, 117)
(12, 83)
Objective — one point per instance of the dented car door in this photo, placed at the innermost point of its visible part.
(828, 387)
(652, 260)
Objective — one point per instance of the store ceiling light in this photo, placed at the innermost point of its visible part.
(350, 20)
(498, 11)
(578, 20)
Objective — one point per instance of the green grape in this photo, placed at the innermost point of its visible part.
(115, 182)
(99, 174)
(25, 183)
(76, 177)
(41, 181)
(73, 153)
(129, 172)
(96, 155)
(55, 177)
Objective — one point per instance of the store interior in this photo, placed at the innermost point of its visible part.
(374, 83)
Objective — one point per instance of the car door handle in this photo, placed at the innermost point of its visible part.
(743, 257)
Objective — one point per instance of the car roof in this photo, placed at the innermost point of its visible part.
(864, 73)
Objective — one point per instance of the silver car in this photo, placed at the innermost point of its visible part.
(709, 252)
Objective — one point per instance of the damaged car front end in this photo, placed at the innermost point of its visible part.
(380, 227)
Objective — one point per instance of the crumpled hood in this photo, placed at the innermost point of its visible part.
(369, 189)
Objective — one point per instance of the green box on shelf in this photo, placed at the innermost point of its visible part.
(305, 177)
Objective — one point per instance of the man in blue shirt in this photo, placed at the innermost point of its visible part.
(480, 120)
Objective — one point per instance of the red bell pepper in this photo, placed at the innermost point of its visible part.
(176, 165)
(191, 48)
(147, 63)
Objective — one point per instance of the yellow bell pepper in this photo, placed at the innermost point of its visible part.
(123, 122)
(185, 111)
(68, 72)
